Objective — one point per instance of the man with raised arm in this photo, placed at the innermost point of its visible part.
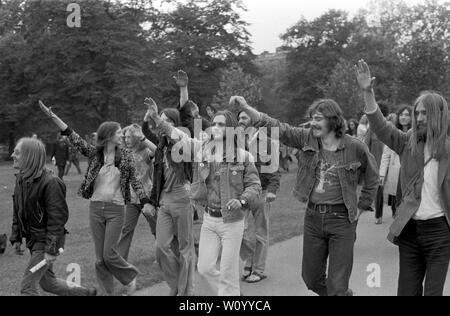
(421, 227)
(330, 164)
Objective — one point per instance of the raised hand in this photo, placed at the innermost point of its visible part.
(181, 79)
(363, 76)
(152, 108)
(238, 104)
(47, 110)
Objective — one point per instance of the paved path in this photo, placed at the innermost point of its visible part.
(284, 266)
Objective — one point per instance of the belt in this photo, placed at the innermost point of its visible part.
(327, 208)
(213, 212)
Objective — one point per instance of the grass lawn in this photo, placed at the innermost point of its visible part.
(286, 222)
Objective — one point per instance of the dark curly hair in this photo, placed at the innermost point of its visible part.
(332, 112)
(402, 109)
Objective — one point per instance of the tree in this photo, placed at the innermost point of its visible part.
(426, 67)
(317, 47)
(235, 82)
(343, 88)
(202, 37)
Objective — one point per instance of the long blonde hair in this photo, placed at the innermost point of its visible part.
(32, 157)
(136, 135)
(437, 111)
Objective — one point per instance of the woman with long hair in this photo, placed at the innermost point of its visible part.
(175, 252)
(111, 171)
(352, 129)
(40, 215)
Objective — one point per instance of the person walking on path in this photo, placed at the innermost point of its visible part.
(40, 215)
(225, 183)
(143, 152)
(255, 255)
(330, 165)
(60, 153)
(421, 227)
(111, 171)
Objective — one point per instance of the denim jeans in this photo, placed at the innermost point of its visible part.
(255, 256)
(330, 237)
(106, 220)
(424, 256)
(132, 214)
(175, 220)
(220, 239)
(46, 278)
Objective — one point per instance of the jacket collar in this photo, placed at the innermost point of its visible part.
(314, 144)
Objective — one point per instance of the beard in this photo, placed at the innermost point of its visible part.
(422, 133)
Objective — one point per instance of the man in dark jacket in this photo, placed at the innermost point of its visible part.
(40, 214)
(60, 151)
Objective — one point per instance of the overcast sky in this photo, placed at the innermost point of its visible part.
(270, 18)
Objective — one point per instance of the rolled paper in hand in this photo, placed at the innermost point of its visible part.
(43, 263)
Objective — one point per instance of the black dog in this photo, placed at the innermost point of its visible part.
(3, 242)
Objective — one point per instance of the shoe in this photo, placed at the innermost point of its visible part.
(256, 277)
(247, 272)
(130, 288)
(92, 292)
(378, 221)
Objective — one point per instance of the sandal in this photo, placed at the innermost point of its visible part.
(255, 277)
(247, 273)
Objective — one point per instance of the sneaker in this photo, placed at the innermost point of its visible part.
(378, 221)
(256, 277)
(130, 288)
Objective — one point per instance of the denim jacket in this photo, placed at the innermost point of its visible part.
(238, 180)
(358, 162)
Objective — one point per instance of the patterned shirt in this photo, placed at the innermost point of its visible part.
(213, 186)
(327, 188)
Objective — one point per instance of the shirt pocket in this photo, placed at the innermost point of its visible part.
(352, 171)
(236, 174)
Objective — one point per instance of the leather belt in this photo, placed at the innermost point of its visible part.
(213, 212)
(327, 208)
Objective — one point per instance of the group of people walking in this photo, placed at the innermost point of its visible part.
(138, 170)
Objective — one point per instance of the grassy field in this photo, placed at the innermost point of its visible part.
(286, 222)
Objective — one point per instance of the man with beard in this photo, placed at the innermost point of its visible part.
(255, 256)
(330, 164)
(225, 183)
(421, 227)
